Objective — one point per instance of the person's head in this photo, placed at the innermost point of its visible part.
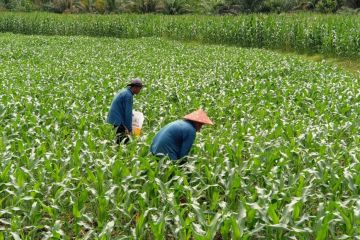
(198, 125)
(198, 118)
(135, 86)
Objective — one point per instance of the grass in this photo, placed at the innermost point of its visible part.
(352, 64)
(349, 64)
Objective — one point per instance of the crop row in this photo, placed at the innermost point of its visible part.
(281, 161)
(326, 34)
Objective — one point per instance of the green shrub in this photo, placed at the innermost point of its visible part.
(329, 6)
(18, 5)
(352, 3)
(173, 7)
(140, 6)
(279, 5)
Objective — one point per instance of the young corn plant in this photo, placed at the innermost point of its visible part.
(280, 162)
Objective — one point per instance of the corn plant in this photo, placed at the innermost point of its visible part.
(336, 35)
(281, 161)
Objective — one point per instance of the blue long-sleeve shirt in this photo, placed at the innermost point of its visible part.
(120, 112)
(174, 140)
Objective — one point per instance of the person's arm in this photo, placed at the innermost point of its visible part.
(128, 112)
(188, 140)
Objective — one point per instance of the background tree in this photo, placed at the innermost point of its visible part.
(352, 3)
(329, 6)
(140, 6)
(173, 7)
(110, 5)
(279, 5)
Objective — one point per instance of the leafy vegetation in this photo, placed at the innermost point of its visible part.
(281, 161)
(310, 33)
(177, 6)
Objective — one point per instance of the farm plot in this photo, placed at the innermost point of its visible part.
(281, 161)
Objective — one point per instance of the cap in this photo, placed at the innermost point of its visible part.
(135, 82)
(199, 116)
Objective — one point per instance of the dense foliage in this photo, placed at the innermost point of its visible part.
(314, 33)
(281, 161)
(177, 6)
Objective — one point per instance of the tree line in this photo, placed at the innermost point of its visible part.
(174, 7)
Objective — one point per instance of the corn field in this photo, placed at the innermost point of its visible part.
(281, 161)
(337, 35)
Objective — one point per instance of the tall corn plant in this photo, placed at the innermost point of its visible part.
(334, 35)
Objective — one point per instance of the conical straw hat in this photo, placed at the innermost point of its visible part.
(199, 116)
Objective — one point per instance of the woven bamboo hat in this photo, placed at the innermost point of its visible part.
(199, 116)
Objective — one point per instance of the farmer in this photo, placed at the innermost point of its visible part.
(120, 114)
(176, 139)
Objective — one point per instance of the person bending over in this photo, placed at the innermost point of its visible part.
(176, 138)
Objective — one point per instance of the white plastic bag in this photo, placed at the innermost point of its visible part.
(137, 122)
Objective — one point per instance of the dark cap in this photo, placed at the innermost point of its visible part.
(135, 83)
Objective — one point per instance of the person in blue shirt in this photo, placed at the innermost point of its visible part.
(120, 113)
(176, 138)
